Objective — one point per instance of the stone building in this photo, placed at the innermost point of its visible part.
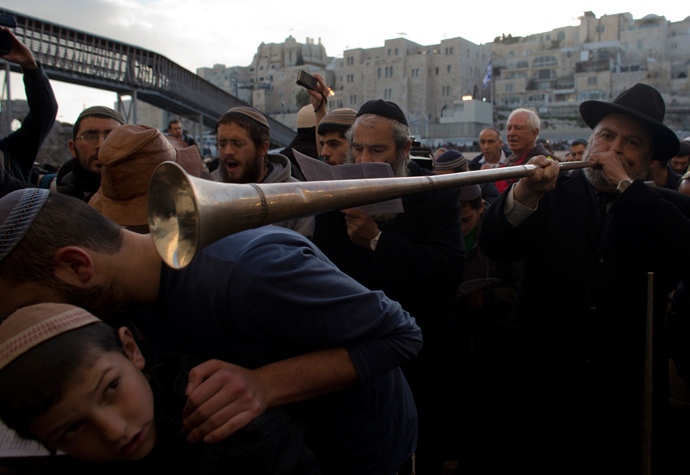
(269, 82)
(555, 71)
(439, 87)
(427, 82)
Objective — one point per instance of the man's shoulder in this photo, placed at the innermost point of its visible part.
(237, 245)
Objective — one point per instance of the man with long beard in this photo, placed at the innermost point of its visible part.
(415, 258)
(574, 345)
(243, 137)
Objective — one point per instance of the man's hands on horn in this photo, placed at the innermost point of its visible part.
(530, 189)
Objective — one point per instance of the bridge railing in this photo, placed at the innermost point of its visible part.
(82, 58)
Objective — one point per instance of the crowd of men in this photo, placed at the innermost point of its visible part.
(500, 325)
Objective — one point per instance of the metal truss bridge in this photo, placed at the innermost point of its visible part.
(85, 59)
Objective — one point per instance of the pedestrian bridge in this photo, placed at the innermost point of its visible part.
(85, 59)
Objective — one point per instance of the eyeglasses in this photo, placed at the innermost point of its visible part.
(222, 144)
(90, 138)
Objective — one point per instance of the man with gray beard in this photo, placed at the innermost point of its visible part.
(574, 344)
(415, 258)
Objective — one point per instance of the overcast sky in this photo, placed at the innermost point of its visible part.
(195, 33)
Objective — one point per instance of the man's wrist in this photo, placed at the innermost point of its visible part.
(374, 241)
(525, 198)
(623, 185)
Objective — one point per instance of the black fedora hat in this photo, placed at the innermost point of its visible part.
(645, 104)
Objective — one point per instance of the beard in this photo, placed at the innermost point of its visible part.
(251, 173)
(400, 170)
(107, 302)
(597, 179)
(86, 163)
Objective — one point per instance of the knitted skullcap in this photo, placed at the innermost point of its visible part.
(341, 117)
(102, 111)
(17, 211)
(387, 109)
(30, 326)
(252, 114)
(450, 160)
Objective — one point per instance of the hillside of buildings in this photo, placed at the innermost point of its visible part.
(441, 87)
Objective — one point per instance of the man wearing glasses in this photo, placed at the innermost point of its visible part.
(242, 137)
(81, 176)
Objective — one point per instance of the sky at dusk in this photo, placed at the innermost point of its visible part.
(196, 33)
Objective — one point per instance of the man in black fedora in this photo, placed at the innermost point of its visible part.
(574, 344)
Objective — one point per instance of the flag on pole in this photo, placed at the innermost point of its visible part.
(487, 77)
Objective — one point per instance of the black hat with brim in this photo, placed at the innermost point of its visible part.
(644, 103)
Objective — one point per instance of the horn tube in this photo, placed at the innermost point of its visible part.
(186, 213)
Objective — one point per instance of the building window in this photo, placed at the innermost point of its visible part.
(448, 68)
(592, 81)
(437, 71)
(510, 87)
(451, 50)
(544, 61)
(389, 52)
(561, 36)
(639, 44)
(396, 51)
(379, 73)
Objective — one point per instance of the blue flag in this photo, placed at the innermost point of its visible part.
(487, 78)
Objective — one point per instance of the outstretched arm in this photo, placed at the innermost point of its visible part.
(22, 146)
(319, 99)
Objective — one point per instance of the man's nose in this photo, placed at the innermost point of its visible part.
(366, 156)
(617, 145)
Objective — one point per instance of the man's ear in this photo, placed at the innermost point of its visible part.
(73, 265)
(130, 346)
(264, 149)
(408, 147)
(72, 149)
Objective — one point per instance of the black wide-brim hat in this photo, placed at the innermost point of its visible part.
(645, 104)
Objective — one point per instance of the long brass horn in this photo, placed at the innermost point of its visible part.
(187, 213)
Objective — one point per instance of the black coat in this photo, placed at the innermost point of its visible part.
(575, 341)
(418, 262)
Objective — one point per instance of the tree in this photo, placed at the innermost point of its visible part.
(302, 98)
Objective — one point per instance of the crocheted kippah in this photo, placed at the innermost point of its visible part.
(17, 211)
(450, 160)
(30, 326)
(104, 111)
(341, 117)
(252, 114)
(387, 109)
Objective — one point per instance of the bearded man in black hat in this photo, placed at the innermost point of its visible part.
(574, 344)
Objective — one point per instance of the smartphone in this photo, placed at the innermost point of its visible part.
(306, 80)
(7, 21)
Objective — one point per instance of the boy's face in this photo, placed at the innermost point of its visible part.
(334, 148)
(105, 414)
(470, 218)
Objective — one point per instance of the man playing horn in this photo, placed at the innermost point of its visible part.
(574, 345)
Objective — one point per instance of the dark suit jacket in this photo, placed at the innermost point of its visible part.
(576, 333)
(418, 262)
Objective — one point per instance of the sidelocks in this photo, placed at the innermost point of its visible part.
(187, 214)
